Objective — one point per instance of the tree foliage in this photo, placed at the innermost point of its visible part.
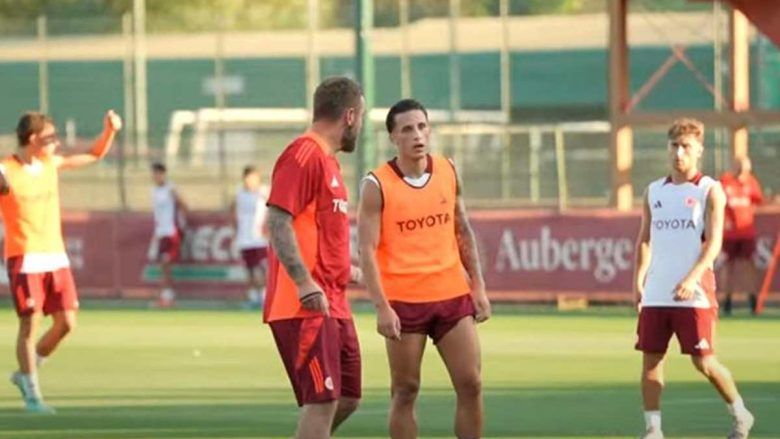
(205, 15)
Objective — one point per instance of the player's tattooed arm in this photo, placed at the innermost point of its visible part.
(285, 246)
(469, 256)
(283, 241)
(467, 243)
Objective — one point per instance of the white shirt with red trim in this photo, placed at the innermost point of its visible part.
(250, 215)
(677, 222)
(164, 210)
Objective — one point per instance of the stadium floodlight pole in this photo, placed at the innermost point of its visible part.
(717, 80)
(455, 83)
(364, 63)
(506, 101)
(312, 55)
(406, 76)
(43, 66)
(739, 67)
(220, 102)
(454, 59)
(506, 66)
(127, 87)
(139, 51)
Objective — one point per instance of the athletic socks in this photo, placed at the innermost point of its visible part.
(39, 360)
(737, 408)
(653, 420)
(253, 295)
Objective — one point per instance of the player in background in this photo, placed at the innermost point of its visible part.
(309, 263)
(169, 209)
(743, 194)
(248, 212)
(679, 238)
(421, 266)
(39, 274)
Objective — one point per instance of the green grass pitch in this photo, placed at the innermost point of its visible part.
(216, 374)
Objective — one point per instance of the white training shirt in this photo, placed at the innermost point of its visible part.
(414, 182)
(250, 215)
(677, 214)
(164, 210)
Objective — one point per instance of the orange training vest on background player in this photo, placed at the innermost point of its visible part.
(31, 210)
(418, 253)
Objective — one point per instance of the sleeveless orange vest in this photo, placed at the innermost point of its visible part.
(418, 251)
(31, 210)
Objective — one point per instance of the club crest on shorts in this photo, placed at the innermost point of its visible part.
(329, 383)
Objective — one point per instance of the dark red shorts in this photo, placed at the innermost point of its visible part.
(47, 292)
(168, 248)
(740, 248)
(254, 257)
(321, 356)
(694, 328)
(433, 318)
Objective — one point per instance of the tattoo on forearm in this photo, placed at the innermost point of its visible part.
(285, 245)
(467, 245)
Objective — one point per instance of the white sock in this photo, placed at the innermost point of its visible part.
(737, 408)
(167, 295)
(253, 295)
(40, 359)
(653, 420)
(30, 383)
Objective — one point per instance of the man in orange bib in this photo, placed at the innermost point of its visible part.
(421, 267)
(38, 268)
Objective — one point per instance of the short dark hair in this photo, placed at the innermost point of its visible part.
(403, 106)
(31, 122)
(159, 167)
(248, 169)
(686, 126)
(334, 95)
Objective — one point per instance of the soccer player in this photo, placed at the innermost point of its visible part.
(743, 194)
(249, 213)
(421, 267)
(168, 210)
(309, 263)
(39, 272)
(679, 239)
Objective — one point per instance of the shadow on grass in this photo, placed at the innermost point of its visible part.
(690, 410)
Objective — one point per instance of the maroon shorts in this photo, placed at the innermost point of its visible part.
(694, 328)
(433, 318)
(321, 356)
(739, 248)
(168, 248)
(47, 292)
(254, 257)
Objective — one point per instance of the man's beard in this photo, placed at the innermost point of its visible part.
(349, 140)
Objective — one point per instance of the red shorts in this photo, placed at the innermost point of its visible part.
(168, 248)
(321, 356)
(46, 292)
(694, 328)
(254, 257)
(433, 318)
(739, 248)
